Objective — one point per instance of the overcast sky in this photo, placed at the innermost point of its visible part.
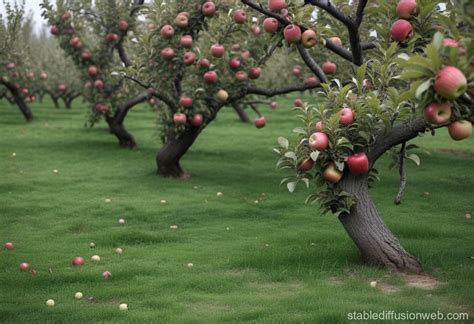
(30, 6)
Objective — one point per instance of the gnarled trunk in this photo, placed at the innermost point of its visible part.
(169, 156)
(375, 241)
(125, 138)
(25, 110)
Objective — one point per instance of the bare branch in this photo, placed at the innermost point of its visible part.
(279, 91)
(311, 63)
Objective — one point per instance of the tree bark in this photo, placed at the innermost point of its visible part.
(25, 110)
(244, 118)
(375, 241)
(169, 156)
(125, 139)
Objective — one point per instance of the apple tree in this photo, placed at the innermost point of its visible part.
(196, 58)
(12, 57)
(404, 81)
(94, 36)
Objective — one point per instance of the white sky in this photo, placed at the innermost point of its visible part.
(30, 6)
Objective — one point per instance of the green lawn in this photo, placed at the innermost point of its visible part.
(259, 253)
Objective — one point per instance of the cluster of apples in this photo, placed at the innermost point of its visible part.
(402, 29)
(29, 75)
(450, 83)
(357, 163)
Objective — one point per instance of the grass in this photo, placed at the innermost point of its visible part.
(259, 253)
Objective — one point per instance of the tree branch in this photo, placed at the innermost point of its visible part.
(279, 91)
(123, 109)
(402, 171)
(267, 13)
(311, 63)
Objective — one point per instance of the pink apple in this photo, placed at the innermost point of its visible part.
(235, 47)
(296, 70)
(234, 63)
(277, 5)
(270, 25)
(358, 163)
(241, 76)
(98, 84)
(245, 54)
(186, 101)
(24, 266)
(318, 141)
(78, 261)
(11, 66)
(186, 41)
(62, 88)
(450, 83)
(197, 120)
(167, 31)
(401, 30)
(181, 21)
(305, 165)
(346, 116)
(85, 56)
(260, 122)
(332, 174)
(208, 9)
(460, 129)
(273, 104)
(167, 53)
(438, 112)
(298, 102)
(240, 16)
(54, 30)
(112, 37)
(25, 91)
(204, 63)
(179, 119)
(329, 67)
(309, 38)
(255, 72)
(189, 58)
(311, 81)
(66, 16)
(217, 50)
(92, 70)
(122, 25)
(292, 33)
(75, 42)
(8, 246)
(336, 41)
(406, 9)
(210, 77)
(319, 126)
(106, 275)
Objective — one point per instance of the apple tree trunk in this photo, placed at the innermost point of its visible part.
(375, 241)
(117, 128)
(170, 154)
(25, 110)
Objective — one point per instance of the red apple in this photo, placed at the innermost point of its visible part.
(332, 174)
(106, 275)
(235, 47)
(222, 96)
(208, 9)
(319, 126)
(66, 16)
(122, 25)
(296, 70)
(204, 63)
(311, 81)
(181, 21)
(179, 119)
(298, 102)
(100, 107)
(24, 266)
(54, 30)
(450, 83)
(92, 70)
(186, 101)
(234, 63)
(240, 16)
(309, 38)
(112, 37)
(189, 58)
(167, 53)
(210, 77)
(273, 104)
(255, 72)
(358, 163)
(329, 67)
(11, 66)
(86, 55)
(346, 116)
(25, 91)
(318, 141)
(260, 122)
(62, 88)
(78, 261)
(75, 42)
(406, 9)
(336, 41)
(98, 84)
(460, 129)
(186, 41)
(197, 120)
(217, 50)
(167, 31)
(292, 33)
(305, 165)
(270, 25)
(401, 30)
(8, 246)
(437, 112)
(245, 54)
(277, 5)
(241, 76)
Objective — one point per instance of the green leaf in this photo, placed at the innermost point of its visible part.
(415, 158)
(438, 40)
(339, 165)
(283, 142)
(291, 155)
(291, 186)
(422, 88)
(299, 130)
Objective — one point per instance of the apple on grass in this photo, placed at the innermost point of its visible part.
(346, 116)
(401, 31)
(78, 261)
(106, 275)
(437, 112)
(260, 122)
(24, 266)
(318, 141)
(450, 83)
(8, 246)
(358, 163)
(78, 295)
(460, 129)
(332, 174)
